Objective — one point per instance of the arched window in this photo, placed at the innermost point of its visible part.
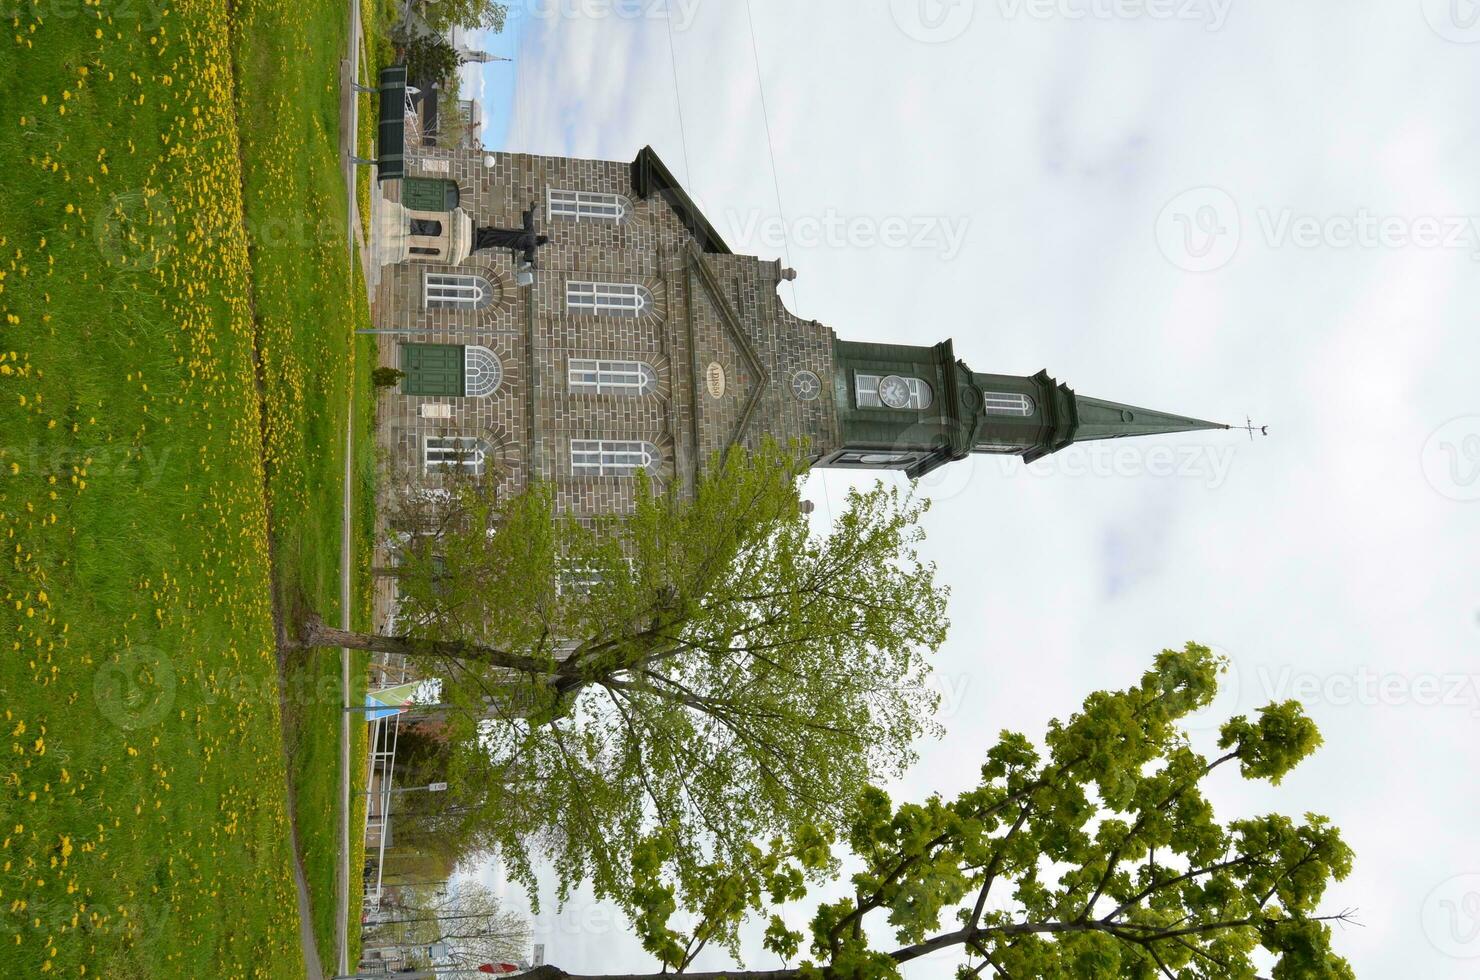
(588, 376)
(456, 292)
(425, 227)
(606, 298)
(1007, 403)
(892, 391)
(612, 457)
(585, 205)
(482, 371)
(453, 452)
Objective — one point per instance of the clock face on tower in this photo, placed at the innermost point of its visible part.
(894, 391)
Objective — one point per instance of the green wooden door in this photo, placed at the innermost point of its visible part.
(428, 194)
(432, 369)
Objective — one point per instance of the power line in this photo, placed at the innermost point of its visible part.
(771, 148)
(688, 174)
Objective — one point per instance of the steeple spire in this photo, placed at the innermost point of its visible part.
(1100, 419)
(914, 408)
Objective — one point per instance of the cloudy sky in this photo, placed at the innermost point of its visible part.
(1211, 207)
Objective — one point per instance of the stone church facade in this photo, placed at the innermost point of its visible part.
(644, 342)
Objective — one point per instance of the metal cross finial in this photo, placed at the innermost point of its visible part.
(1251, 428)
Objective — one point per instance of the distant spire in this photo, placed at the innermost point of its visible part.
(479, 57)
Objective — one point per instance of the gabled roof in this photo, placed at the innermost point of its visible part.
(650, 175)
(736, 331)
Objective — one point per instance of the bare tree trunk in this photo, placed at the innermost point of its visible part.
(317, 633)
(548, 972)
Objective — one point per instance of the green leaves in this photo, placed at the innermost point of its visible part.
(1271, 747)
(705, 665)
(1101, 857)
(649, 695)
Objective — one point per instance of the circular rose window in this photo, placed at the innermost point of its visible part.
(806, 385)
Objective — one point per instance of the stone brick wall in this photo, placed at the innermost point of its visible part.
(706, 309)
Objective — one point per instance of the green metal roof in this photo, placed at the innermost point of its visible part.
(1100, 419)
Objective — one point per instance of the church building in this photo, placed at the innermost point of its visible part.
(644, 342)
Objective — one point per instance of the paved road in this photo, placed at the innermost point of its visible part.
(349, 105)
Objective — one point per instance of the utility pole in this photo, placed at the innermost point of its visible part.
(435, 918)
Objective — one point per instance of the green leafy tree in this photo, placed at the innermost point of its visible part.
(705, 663)
(386, 377)
(472, 15)
(1096, 856)
(430, 59)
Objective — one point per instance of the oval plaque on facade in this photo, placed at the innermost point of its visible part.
(714, 379)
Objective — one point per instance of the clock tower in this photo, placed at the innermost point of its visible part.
(915, 408)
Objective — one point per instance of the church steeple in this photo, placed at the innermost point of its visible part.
(917, 408)
(1100, 419)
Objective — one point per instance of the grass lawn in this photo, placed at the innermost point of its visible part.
(309, 298)
(172, 201)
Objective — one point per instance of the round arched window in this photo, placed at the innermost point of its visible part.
(482, 371)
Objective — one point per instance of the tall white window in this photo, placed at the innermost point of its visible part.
(1007, 403)
(578, 579)
(453, 452)
(611, 457)
(585, 205)
(891, 391)
(456, 292)
(606, 298)
(594, 377)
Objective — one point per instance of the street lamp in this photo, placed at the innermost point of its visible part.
(429, 787)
